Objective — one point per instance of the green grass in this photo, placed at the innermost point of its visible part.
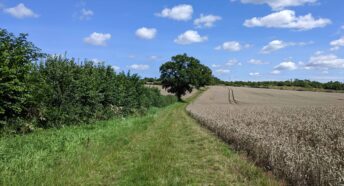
(165, 147)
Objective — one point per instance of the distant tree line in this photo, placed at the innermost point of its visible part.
(332, 85)
(39, 90)
(157, 81)
(307, 84)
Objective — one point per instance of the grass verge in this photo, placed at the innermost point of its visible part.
(165, 147)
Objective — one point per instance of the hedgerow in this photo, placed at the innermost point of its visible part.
(57, 91)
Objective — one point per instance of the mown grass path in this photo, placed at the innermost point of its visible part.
(166, 147)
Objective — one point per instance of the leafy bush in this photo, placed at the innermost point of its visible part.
(68, 93)
(58, 91)
(16, 56)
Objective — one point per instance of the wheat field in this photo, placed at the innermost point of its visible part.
(299, 136)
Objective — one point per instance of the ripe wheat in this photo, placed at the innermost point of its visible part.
(299, 136)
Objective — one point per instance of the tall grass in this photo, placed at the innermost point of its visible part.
(56, 156)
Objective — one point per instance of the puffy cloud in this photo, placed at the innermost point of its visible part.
(287, 19)
(280, 4)
(153, 58)
(336, 44)
(223, 71)
(278, 44)
(97, 39)
(97, 61)
(288, 65)
(20, 11)
(115, 68)
(275, 72)
(139, 66)
(273, 46)
(181, 12)
(146, 33)
(86, 14)
(254, 74)
(190, 37)
(232, 46)
(232, 62)
(206, 20)
(257, 62)
(322, 61)
(215, 66)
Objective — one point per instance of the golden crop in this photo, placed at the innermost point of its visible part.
(299, 136)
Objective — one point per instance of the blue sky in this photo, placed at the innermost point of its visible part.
(238, 39)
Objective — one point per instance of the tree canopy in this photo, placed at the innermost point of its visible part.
(183, 73)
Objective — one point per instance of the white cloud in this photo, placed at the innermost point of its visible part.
(154, 58)
(206, 20)
(232, 62)
(336, 44)
(288, 65)
(280, 4)
(116, 68)
(96, 61)
(223, 71)
(181, 12)
(287, 19)
(86, 14)
(254, 74)
(20, 11)
(232, 46)
(215, 66)
(273, 46)
(325, 62)
(97, 39)
(275, 72)
(190, 37)
(131, 56)
(146, 33)
(278, 44)
(319, 52)
(139, 67)
(257, 62)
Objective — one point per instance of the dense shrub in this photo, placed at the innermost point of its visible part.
(153, 98)
(58, 91)
(16, 55)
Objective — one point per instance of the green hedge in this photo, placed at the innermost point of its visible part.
(59, 91)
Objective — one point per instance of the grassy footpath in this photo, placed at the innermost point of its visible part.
(165, 147)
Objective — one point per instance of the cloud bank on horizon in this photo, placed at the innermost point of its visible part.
(238, 39)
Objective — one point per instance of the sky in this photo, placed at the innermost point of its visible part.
(249, 40)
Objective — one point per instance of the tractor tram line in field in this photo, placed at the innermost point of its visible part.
(231, 97)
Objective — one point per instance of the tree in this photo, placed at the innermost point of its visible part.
(182, 73)
(16, 57)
